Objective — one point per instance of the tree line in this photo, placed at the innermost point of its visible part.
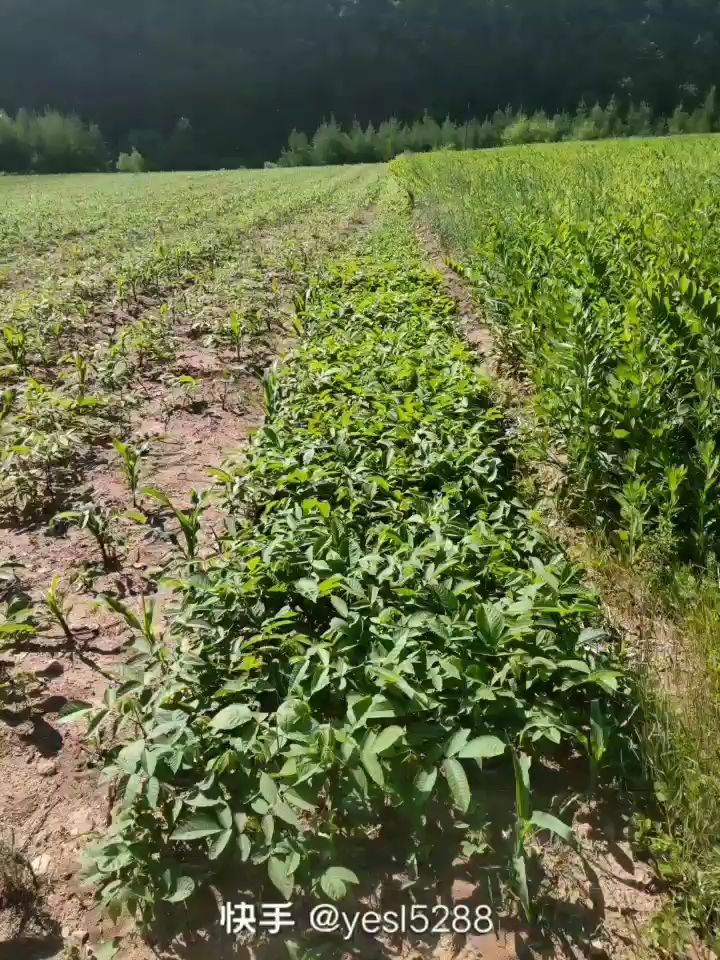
(245, 72)
(332, 144)
(50, 142)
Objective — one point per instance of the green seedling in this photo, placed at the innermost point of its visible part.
(56, 603)
(131, 459)
(528, 823)
(189, 520)
(97, 521)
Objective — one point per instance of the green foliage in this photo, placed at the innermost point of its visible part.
(57, 607)
(189, 521)
(132, 162)
(597, 266)
(371, 640)
(613, 318)
(130, 458)
(504, 128)
(49, 143)
(99, 522)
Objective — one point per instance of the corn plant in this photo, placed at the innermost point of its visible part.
(237, 331)
(528, 823)
(147, 639)
(81, 369)
(131, 458)
(189, 521)
(598, 743)
(185, 390)
(99, 523)
(14, 342)
(57, 607)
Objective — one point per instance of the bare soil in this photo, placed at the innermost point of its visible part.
(50, 795)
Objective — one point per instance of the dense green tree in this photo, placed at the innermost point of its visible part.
(132, 162)
(49, 143)
(246, 72)
(331, 145)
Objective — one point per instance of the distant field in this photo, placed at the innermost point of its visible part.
(101, 276)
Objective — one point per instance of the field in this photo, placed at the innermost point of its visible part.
(286, 615)
(597, 269)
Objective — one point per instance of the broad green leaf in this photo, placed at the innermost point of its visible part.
(197, 826)
(231, 717)
(184, 888)
(291, 796)
(244, 847)
(268, 788)
(482, 748)
(491, 622)
(458, 783)
(340, 606)
(285, 813)
(456, 742)
(386, 739)
(342, 873)
(546, 821)
(219, 843)
(369, 761)
(425, 783)
(128, 759)
(280, 878)
(268, 827)
(333, 886)
(308, 588)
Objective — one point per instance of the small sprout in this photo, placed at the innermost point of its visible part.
(82, 369)
(55, 601)
(97, 521)
(130, 457)
(189, 520)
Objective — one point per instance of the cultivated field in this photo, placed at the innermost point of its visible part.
(285, 618)
(597, 269)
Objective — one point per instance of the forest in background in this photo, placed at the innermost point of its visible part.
(53, 143)
(331, 144)
(241, 75)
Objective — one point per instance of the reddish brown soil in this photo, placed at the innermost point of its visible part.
(50, 797)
